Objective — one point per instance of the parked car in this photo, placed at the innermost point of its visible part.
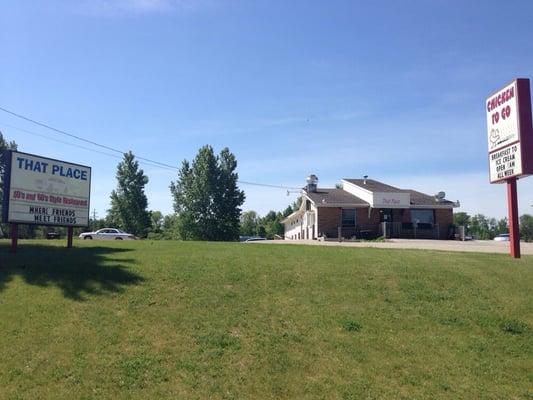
(53, 235)
(108, 234)
(254, 239)
(246, 238)
(503, 237)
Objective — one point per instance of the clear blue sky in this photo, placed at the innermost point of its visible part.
(392, 89)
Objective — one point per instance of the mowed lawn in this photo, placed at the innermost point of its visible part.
(186, 320)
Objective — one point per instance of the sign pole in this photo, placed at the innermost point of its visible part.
(14, 237)
(510, 145)
(512, 205)
(70, 231)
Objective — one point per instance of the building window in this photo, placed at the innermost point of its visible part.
(422, 216)
(348, 217)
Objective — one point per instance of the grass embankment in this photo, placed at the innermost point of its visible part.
(218, 320)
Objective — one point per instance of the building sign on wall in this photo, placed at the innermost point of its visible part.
(391, 200)
(509, 131)
(43, 191)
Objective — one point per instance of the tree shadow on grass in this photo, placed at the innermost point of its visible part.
(78, 272)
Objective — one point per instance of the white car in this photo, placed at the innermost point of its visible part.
(107, 234)
(503, 237)
(254, 239)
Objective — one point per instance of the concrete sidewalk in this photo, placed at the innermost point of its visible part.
(477, 246)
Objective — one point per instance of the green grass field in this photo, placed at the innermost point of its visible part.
(150, 320)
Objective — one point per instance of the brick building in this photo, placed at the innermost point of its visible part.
(365, 208)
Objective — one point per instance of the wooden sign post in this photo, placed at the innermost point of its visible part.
(70, 231)
(14, 237)
(512, 208)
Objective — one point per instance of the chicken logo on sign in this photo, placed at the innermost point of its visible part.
(494, 136)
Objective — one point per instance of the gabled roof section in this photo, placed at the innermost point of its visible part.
(421, 199)
(335, 197)
(294, 215)
(375, 186)
(376, 190)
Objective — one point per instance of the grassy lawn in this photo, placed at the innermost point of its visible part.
(149, 320)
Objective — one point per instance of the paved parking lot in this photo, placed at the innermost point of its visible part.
(479, 246)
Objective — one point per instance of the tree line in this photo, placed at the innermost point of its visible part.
(485, 228)
(206, 201)
(205, 197)
(269, 226)
(207, 205)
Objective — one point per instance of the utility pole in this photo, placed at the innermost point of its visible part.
(94, 220)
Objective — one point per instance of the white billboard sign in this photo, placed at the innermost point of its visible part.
(509, 131)
(502, 117)
(45, 191)
(506, 162)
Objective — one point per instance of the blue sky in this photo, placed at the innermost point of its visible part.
(391, 89)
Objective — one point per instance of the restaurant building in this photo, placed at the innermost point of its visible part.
(365, 208)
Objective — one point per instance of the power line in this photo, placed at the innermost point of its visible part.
(269, 185)
(79, 146)
(81, 138)
(147, 161)
(58, 140)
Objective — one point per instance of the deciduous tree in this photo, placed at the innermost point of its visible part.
(462, 219)
(207, 199)
(272, 224)
(479, 227)
(157, 219)
(526, 227)
(249, 223)
(4, 145)
(128, 202)
(484, 228)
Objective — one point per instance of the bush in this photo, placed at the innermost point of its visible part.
(514, 327)
(352, 326)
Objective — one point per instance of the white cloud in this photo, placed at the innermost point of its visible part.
(121, 7)
(341, 116)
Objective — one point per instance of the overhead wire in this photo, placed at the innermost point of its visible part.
(77, 145)
(62, 132)
(143, 160)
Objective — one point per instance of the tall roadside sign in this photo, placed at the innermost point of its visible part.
(43, 191)
(510, 145)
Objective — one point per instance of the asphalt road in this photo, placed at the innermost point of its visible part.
(477, 246)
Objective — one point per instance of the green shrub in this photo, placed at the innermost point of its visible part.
(514, 327)
(352, 326)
